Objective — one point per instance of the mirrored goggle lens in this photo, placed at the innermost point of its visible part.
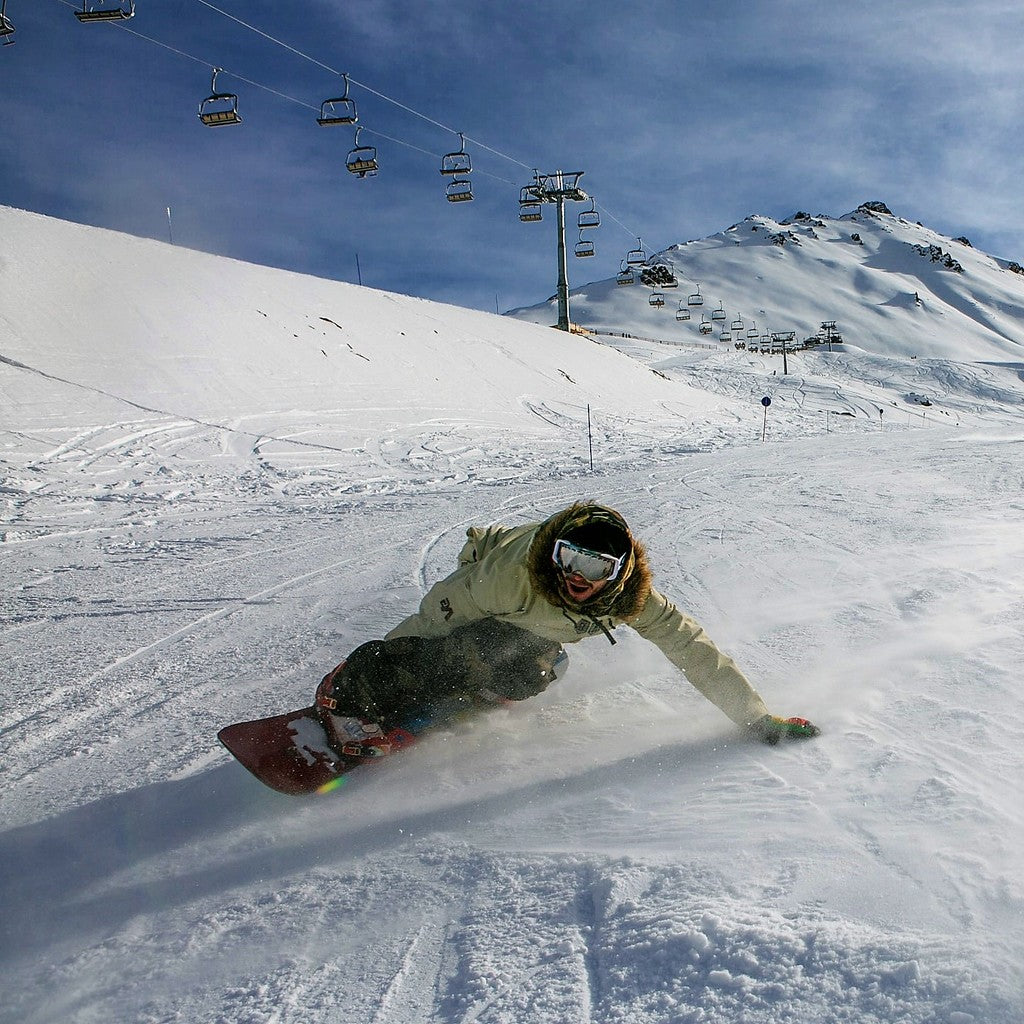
(591, 565)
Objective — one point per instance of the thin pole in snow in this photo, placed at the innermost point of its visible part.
(359, 273)
(590, 438)
(170, 232)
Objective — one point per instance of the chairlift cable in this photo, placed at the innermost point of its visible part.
(362, 85)
(272, 91)
(427, 152)
(199, 60)
(353, 81)
(273, 39)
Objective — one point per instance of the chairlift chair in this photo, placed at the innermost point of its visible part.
(718, 314)
(6, 28)
(457, 163)
(219, 108)
(459, 190)
(584, 247)
(682, 313)
(625, 275)
(340, 110)
(530, 207)
(752, 330)
(656, 299)
(589, 219)
(119, 12)
(696, 299)
(705, 324)
(737, 324)
(725, 336)
(362, 160)
(636, 257)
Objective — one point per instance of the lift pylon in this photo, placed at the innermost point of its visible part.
(559, 188)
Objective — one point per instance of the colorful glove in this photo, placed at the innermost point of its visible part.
(771, 729)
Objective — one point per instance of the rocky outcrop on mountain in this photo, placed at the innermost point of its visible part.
(936, 254)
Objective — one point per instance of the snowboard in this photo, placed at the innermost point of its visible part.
(292, 754)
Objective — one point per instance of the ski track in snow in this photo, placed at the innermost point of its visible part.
(440, 921)
(610, 851)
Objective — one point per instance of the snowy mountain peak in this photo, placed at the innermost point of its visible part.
(896, 287)
(874, 206)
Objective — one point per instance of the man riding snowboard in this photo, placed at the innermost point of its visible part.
(493, 630)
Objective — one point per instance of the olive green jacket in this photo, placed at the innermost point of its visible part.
(507, 573)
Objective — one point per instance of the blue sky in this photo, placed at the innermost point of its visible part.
(685, 117)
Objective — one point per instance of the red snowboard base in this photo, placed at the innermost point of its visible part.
(291, 752)
(288, 752)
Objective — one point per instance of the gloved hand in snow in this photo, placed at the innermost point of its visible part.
(771, 729)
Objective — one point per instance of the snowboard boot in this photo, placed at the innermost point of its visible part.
(349, 736)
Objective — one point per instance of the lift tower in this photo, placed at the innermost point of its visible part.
(558, 188)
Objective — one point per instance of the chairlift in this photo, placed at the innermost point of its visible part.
(584, 247)
(625, 275)
(219, 108)
(589, 219)
(696, 299)
(457, 163)
(752, 331)
(6, 28)
(682, 313)
(119, 12)
(459, 190)
(737, 324)
(340, 110)
(530, 207)
(362, 160)
(725, 336)
(705, 324)
(718, 314)
(657, 300)
(636, 257)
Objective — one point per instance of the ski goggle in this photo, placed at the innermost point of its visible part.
(593, 566)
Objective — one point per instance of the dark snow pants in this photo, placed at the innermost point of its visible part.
(393, 681)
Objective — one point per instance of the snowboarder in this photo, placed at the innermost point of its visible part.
(493, 630)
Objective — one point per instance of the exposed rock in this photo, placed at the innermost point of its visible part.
(936, 255)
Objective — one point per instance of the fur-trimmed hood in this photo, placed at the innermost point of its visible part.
(623, 598)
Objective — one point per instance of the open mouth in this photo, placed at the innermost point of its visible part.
(578, 586)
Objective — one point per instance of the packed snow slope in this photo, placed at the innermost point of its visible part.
(892, 286)
(217, 479)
